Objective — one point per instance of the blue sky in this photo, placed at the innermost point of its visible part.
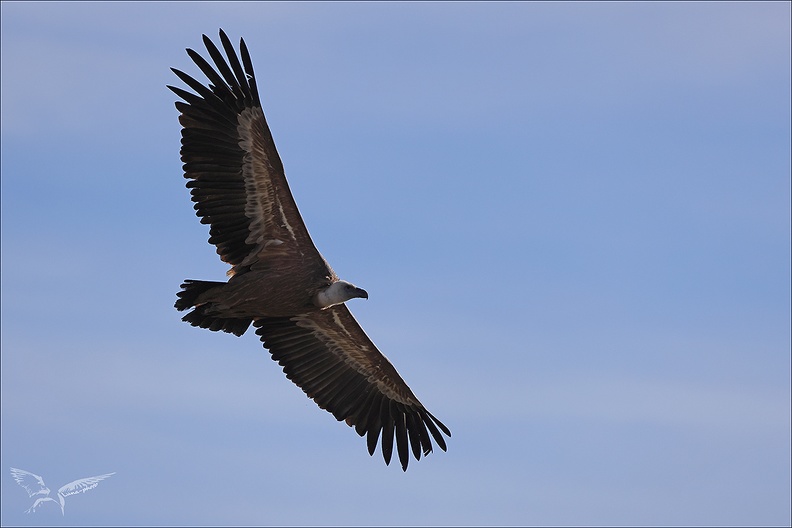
(573, 221)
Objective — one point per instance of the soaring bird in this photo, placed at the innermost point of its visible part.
(279, 281)
(34, 485)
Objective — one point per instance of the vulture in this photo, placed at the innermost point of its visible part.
(278, 281)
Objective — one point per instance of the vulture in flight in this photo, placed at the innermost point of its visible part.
(279, 281)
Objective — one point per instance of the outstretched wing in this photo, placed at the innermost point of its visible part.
(82, 485)
(32, 483)
(236, 176)
(327, 354)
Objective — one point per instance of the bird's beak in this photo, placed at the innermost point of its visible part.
(361, 293)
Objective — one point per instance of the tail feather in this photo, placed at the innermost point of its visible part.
(190, 290)
(199, 316)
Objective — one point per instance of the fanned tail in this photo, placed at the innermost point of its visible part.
(200, 315)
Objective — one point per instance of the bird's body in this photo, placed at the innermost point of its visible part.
(279, 282)
(262, 293)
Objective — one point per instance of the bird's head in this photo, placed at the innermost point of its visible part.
(338, 292)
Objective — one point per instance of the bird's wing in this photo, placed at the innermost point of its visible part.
(32, 483)
(327, 354)
(38, 502)
(82, 485)
(235, 174)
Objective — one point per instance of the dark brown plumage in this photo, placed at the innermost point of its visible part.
(279, 281)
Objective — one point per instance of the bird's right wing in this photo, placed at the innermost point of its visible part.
(32, 483)
(82, 485)
(235, 173)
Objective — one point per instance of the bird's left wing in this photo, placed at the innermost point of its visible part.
(327, 354)
(82, 485)
(32, 483)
